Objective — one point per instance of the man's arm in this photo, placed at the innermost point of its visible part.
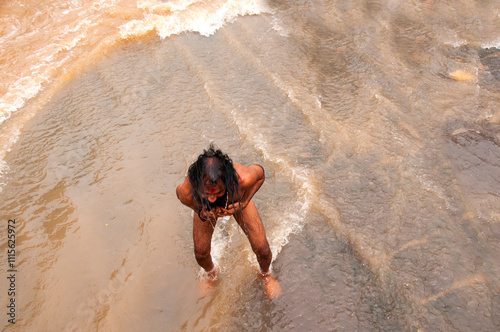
(251, 179)
(184, 194)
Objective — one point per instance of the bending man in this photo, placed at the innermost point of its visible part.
(217, 187)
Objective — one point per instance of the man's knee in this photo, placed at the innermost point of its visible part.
(263, 251)
(201, 255)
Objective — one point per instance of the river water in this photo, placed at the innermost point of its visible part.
(378, 124)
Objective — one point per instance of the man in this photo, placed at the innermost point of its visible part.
(217, 187)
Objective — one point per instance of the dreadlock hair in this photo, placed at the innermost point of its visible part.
(211, 166)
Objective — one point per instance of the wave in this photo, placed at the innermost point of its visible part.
(45, 46)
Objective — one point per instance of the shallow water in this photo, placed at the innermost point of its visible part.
(377, 124)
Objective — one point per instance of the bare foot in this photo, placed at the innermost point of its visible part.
(273, 288)
(206, 282)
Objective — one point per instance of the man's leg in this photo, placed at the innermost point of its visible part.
(249, 220)
(202, 237)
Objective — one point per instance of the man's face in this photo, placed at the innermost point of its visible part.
(213, 192)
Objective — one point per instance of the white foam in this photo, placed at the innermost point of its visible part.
(173, 6)
(44, 60)
(456, 42)
(278, 27)
(22, 90)
(222, 237)
(190, 16)
(492, 44)
(4, 168)
(9, 35)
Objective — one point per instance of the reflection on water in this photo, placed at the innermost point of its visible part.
(377, 124)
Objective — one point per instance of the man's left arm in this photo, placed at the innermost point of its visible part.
(251, 179)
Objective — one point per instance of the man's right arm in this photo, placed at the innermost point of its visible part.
(184, 194)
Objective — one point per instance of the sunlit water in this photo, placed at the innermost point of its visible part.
(377, 123)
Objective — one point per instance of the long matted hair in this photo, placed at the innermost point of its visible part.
(211, 166)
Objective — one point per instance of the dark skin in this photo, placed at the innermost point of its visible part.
(244, 211)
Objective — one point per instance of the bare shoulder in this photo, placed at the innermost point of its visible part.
(183, 192)
(248, 175)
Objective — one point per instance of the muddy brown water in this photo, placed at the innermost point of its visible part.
(377, 124)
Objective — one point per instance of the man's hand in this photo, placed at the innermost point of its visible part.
(234, 208)
(212, 214)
